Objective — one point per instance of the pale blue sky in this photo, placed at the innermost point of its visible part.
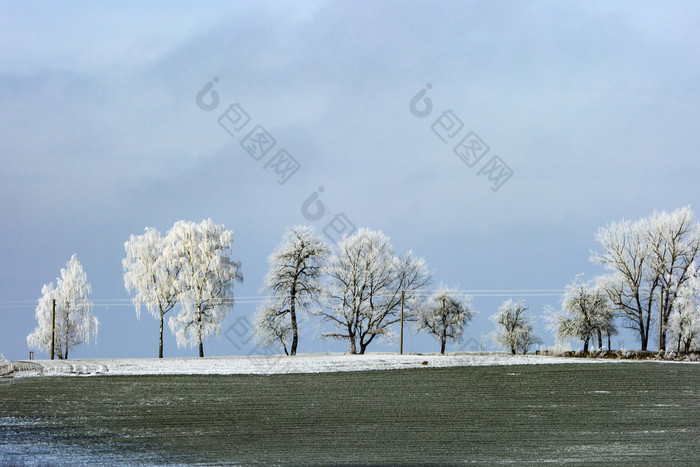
(593, 105)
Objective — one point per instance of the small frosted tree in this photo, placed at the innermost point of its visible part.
(513, 329)
(74, 319)
(684, 321)
(293, 282)
(40, 339)
(445, 316)
(205, 281)
(365, 281)
(151, 268)
(684, 326)
(271, 328)
(5, 366)
(586, 313)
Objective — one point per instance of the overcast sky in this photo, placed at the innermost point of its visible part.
(593, 107)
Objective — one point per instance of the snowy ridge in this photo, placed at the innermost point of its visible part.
(277, 364)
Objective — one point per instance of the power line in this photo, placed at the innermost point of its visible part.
(257, 299)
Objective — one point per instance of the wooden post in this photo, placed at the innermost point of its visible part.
(53, 326)
(401, 339)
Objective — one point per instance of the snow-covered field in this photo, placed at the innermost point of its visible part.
(304, 363)
(484, 412)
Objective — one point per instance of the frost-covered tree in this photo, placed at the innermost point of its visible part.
(445, 316)
(586, 313)
(151, 268)
(649, 261)
(271, 328)
(74, 319)
(205, 281)
(365, 281)
(607, 320)
(684, 326)
(513, 329)
(5, 366)
(293, 282)
(40, 339)
(684, 321)
(633, 284)
(674, 240)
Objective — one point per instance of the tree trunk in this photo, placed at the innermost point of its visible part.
(664, 317)
(292, 311)
(643, 336)
(512, 350)
(644, 327)
(160, 342)
(662, 344)
(353, 346)
(662, 336)
(443, 341)
(600, 340)
(609, 343)
(585, 346)
(67, 308)
(199, 331)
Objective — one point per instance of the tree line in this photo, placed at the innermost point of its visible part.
(652, 284)
(359, 289)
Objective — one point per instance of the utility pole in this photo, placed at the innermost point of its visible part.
(53, 326)
(401, 339)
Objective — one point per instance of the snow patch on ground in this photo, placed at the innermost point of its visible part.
(303, 363)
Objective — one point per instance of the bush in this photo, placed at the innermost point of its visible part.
(5, 366)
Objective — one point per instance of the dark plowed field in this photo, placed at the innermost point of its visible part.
(589, 413)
